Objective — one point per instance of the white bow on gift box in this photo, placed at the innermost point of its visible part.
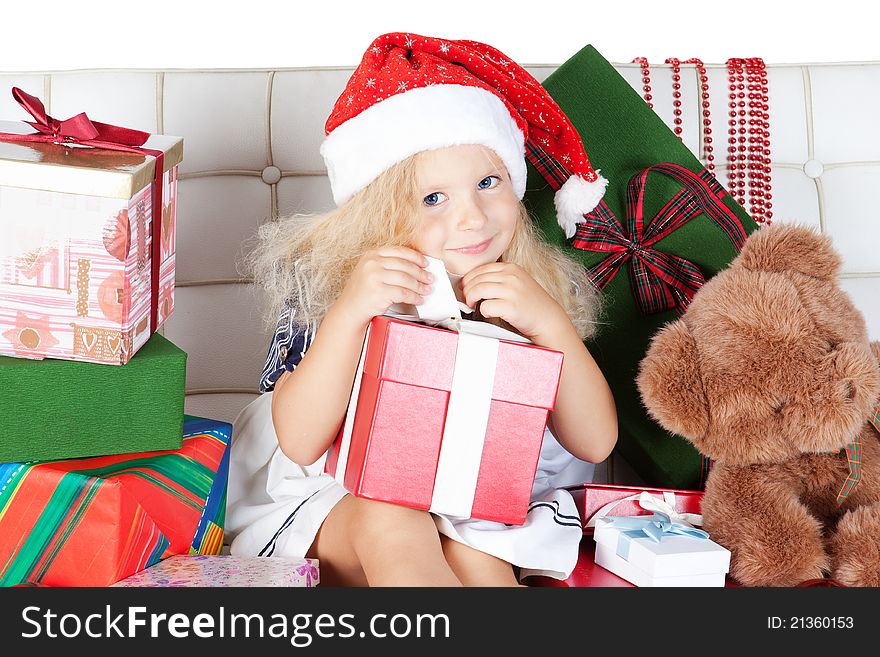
(651, 503)
(663, 549)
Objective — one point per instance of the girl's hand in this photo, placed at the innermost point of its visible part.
(507, 291)
(383, 277)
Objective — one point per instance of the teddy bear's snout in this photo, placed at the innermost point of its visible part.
(856, 374)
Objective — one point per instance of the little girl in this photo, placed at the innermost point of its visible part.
(425, 150)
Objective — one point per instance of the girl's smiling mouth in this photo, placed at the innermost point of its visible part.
(475, 248)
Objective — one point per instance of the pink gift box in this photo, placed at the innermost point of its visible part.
(226, 571)
(75, 248)
(403, 407)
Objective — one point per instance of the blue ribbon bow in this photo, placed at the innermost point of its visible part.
(654, 527)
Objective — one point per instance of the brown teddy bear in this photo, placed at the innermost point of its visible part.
(771, 375)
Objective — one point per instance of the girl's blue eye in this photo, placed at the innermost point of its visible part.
(488, 179)
(434, 198)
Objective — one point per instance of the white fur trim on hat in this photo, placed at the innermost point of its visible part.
(357, 151)
(575, 198)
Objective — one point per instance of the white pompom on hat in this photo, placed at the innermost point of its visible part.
(412, 93)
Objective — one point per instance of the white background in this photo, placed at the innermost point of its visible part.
(163, 34)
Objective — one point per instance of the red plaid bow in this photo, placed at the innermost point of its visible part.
(854, 457)
(660, 281)
(81, 130)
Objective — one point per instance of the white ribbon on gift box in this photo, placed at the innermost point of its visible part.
(652, 503)
(470, 397)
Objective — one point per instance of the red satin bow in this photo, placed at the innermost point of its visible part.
(80, 129)
(77, 129)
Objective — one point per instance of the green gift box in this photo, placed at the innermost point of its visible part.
(623, 137)
(60, 409)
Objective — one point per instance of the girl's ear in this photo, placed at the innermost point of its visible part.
(671, 384)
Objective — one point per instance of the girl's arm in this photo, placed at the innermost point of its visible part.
(309, 403)
(584, 420)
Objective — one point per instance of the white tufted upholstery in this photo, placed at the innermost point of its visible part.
(251, 141)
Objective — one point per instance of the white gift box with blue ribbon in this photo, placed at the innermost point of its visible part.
(657, 551)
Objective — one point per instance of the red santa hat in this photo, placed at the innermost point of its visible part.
(412, 93)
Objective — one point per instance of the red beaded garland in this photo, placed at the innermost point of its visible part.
(708, 140)
(676, 94)
(708, 146)
(748, 134)
(646, 79)
(735, 154)
(749, 147)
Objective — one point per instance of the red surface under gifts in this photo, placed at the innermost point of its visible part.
(587, 574)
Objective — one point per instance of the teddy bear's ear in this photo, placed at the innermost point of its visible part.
(670, 382)
(788, 247)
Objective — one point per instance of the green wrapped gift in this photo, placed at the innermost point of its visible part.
(678, 228)
(60, 409)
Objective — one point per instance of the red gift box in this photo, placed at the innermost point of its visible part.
(397, 434)
(591, 499)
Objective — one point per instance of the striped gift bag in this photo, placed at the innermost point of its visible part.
(95, 521)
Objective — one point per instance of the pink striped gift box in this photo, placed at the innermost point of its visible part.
(75, 248)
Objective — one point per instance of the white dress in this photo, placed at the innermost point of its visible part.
(275, 507)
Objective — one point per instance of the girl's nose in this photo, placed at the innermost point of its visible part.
(471, 216)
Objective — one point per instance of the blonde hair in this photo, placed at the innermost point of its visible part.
(304, 261)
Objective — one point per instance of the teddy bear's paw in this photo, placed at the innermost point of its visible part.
(769, 549)
(856, 547)
(767, 568)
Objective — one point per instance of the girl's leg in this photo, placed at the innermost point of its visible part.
(365, 542)
(475, 568)
(337, 562)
